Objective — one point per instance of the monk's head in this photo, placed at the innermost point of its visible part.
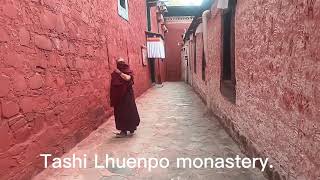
(121, 61)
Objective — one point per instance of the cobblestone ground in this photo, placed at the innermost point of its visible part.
(174, 123)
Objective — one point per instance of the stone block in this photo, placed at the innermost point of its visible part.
(22, 134)
(14, 59)
(6, 137)
(60, 82)
(9, 109)
(48, 19)
(41, 103)
(57, 43)
(24, 36)
(62, 62)
(43, 42)
(72, 48)
(79, 63)
(19, 82)
(27, 104)
(50, 80)
(50, 3)
(40, 64)
(37, 123)
(60, 26)
(10, 10)
(17, 122)
(64, 46)
(5, 85)
(4, 37)
(53, 60)
(36, 81)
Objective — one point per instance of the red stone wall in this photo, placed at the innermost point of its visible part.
(55, 63)
(198, 83)
(173, 50)
(277, 83)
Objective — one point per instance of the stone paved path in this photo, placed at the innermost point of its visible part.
(174, 124)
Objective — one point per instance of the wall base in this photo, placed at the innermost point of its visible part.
(248, 147)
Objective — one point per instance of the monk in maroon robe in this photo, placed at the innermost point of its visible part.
(122, 99)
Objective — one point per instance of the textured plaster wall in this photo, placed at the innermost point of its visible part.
(55, 63)
(173, 50)
(277, 109)
(199, 84)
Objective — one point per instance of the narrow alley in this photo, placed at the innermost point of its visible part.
(175, 123)
(225, 89)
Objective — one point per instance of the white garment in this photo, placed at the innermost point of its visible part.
(156, 48)
(199, 28)
(223, 4)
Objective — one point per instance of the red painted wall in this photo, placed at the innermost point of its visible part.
(197, 82)
(173, 50)
(277, 83)
(55, 63)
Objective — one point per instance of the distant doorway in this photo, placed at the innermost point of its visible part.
(152, 69)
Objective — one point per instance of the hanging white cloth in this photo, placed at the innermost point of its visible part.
(223, 4)
(155, 48)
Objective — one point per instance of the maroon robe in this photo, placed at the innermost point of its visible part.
(122, 99)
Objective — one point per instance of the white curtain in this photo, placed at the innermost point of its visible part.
(156, 48)
(223, 4)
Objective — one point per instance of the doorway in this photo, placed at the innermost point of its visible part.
(228, 79)
(152, 69)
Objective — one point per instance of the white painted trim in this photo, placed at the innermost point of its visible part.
(123, 12)
(178, 19)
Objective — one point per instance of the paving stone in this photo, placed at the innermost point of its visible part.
(122, 171)
(171, 127)
(113, 178)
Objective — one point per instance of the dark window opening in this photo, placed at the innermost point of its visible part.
(204, 64)
(228, 80)
(123, 4)
(195, 53)
(149, 17)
